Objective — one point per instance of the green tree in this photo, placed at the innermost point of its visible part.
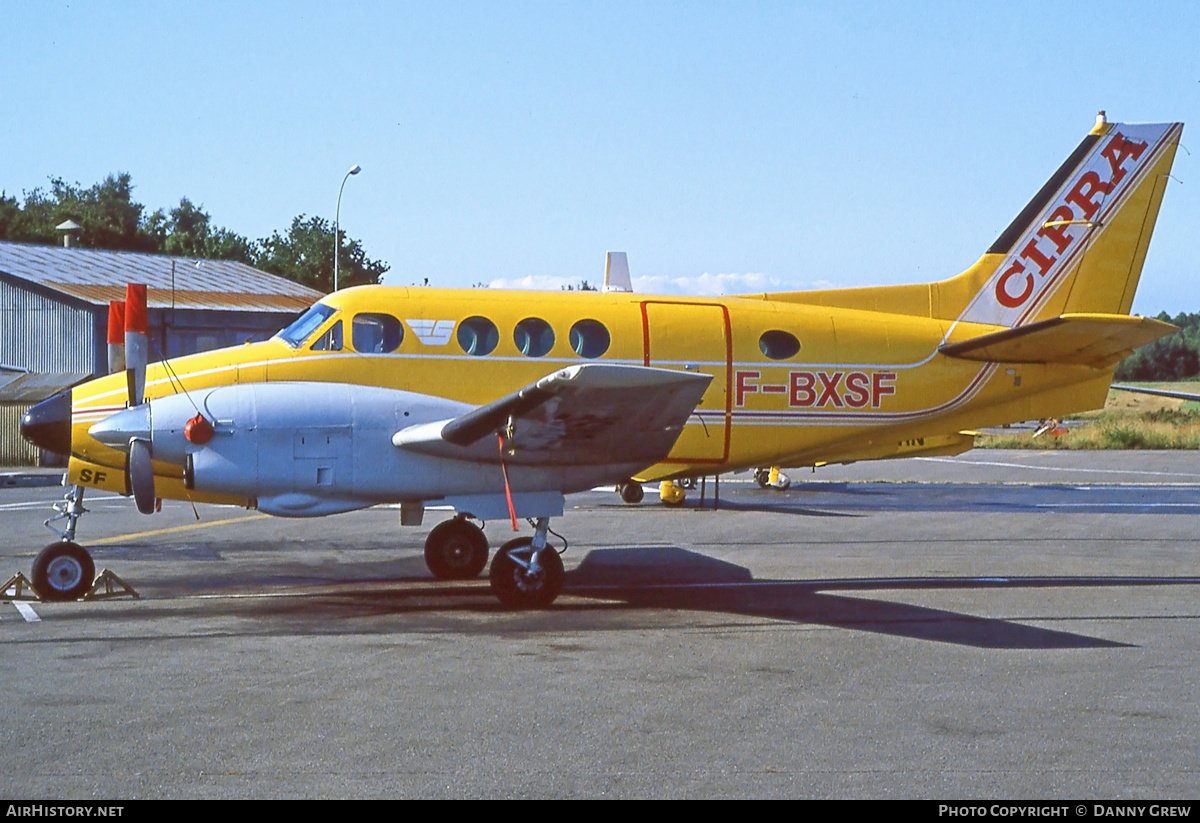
(187, 231)
(107, 212)
(11, 216)
(305, 254)
(1174, 357)
(112, 219)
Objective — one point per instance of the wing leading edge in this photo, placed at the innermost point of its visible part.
(590, 414)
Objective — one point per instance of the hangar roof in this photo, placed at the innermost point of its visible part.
(96, 276)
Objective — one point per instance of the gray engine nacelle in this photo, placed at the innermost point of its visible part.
(299, 449)
(310, 449)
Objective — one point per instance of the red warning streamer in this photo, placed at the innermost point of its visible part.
(512, 512)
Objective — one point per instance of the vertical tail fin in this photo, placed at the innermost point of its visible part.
(1079, 245)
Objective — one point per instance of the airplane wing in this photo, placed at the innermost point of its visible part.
(594, 413)
(1097, 340)
(1179, 395)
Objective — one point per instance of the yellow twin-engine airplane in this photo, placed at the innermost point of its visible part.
(500, 403)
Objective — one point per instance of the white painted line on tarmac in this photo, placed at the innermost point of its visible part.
(1107, 505)
(1051, 468)
(107, 499)
(27, 612)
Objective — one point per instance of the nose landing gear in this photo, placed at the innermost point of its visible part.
(64, 570)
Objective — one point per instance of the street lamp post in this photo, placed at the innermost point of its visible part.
(337, 224)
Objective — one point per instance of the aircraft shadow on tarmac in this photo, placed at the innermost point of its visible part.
(678, 579)
(626, 581)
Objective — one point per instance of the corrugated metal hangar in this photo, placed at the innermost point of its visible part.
(54, 317)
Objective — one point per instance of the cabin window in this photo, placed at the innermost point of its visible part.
(331, 340)
(376, 333)
(297, 334)
(778, 345)
(533, 337)
(478, 336)
(589, 338)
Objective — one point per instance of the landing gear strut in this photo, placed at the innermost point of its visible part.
(64, 570)
(527, 573)
(456, 550)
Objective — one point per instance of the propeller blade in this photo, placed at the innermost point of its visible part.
(141, 475)
(137, 341)
(116, 336)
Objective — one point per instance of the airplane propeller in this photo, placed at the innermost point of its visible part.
(141, 475)
(137, 341)
(140, 471)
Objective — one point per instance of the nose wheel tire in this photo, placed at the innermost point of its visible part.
(456, 550)
(519, 588)
(63, 571)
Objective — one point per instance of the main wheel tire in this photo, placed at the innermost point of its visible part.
(762, 477)
(515, 587)
(632, 492)
(63, 571)
(687, 483)
(456, 550)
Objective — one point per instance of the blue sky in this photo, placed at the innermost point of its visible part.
(735, 146)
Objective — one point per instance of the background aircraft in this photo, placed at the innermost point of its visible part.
(500, 403)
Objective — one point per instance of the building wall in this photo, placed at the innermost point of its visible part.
(14, 449)
(47, 335)
(44, 335)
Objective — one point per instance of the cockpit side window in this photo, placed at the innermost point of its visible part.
(331, 340)
(373, 333)
(297, 334)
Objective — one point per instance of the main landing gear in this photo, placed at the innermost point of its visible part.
(64, 570)
(456, 550)
(526, 573)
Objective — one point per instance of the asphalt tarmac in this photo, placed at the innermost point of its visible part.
(998, 625)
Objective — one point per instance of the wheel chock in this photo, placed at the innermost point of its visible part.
(670, 494)
(112, 586)
(20, 588)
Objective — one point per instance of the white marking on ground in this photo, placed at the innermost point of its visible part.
(1127, 505)
(27, 612)
(1052, 468)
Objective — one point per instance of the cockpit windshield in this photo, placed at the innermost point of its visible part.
(303, 327)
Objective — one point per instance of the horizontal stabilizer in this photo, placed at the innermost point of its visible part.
(1178, 395)
(1097, 340)
(587, 414)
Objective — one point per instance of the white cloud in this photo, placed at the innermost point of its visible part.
(707, 285)
(702, 285)
(533, 282)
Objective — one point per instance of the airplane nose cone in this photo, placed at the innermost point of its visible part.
(48, 424)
